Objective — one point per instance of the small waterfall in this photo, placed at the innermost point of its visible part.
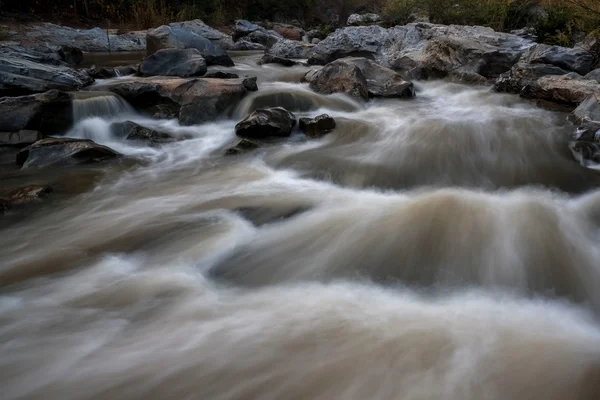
(97, 104)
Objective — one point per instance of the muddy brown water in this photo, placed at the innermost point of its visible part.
(444, 247)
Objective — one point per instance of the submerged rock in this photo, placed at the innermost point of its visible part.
(359, 77)
(242, 146)
(174, 62)
(318, 126)
(29, 194)
(132, 131)
(24, 71)
(192, 100)
(266, 122)
(50, 112)
(63, 151)
(211, 44)
(20, 139)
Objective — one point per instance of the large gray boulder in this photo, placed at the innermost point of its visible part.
(174, 62)
(192, 100)
(24, 71)
(63, 151)
(50, 113)
(242, 28)
(211, 44)
(359, 77)
(266, 39)
(470, 52)
(266, 122)
(90, 40)
(289, 49)
(569, 59)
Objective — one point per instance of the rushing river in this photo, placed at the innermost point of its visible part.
(443, 247)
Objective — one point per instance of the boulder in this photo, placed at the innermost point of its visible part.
(132, 131)
(287, 31)
(318, 126)
(266, 39)
(359, 77)
(569, 59)
(250, 83)
(523, 74)
(363, 19)
(71, 55)
(211, 44)
(289, 49)
(244, 45)
(266, 122)
(63, 151)
(192, 100)
(242, 28)
(242, 146)
(438, 50)
(29, 194)
(24, 71)
(561, 89)
(91, 40)
(594, 75)
(221, 75)
(20, 139)
(112, 72)
(174, 62)
(50, 112)
(589, 109)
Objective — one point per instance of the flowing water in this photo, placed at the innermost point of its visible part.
(444, 247)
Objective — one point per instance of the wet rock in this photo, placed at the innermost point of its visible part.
(211, 44)
(244, 45)
(71, 55)
(241, 147)
(594, 75)
(242, 28)
(50, 112)
(114, 72)
(29, 194)
(586, 153)
(588, 131)
(132, 131)
(561, 89)
(363, 19)
(174, 62)
(270, 59)
(569, 59)
(20, 139)
(221, 75)
(192, 100)
(288, 49)
(359, 77)
(92, 40)
(24, 71)
(318, 126)
(63, 151)
(523, 74)
(589, 109)
(266, 122)
(250, 84)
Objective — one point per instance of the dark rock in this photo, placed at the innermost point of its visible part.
(587, 153)
(174, 62)
(92, 40)
(243, 28)
(108, 72)
(318, 126)
(71, 55)
(289, 49)
(266, 39)
(315, 34)
(561, 89)
(5, 206)
(221, 75)
(266, 122)
(20, 139)
(244, 45)
(363, 19)
(50, 112)
(595, 75)
(241, 147)
(589, 109)
(132, 131)
(24, 71)
(588, 131)
(359, 77)
(29, 194)
(250, 84)
(192, 100)
(211, 43)
(569, 59)
(63, 151)
(270, 59)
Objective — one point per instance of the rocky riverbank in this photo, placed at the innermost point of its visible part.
(40, 72)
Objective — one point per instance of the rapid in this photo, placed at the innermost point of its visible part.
(442, 247)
